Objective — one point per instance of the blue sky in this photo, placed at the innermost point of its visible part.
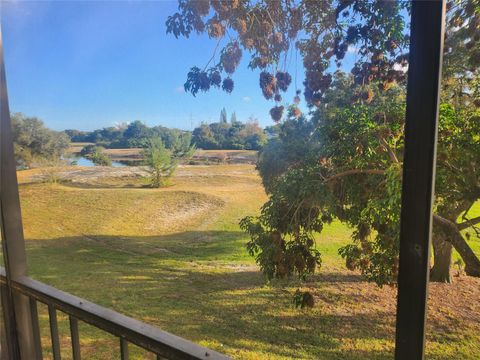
(91, 64)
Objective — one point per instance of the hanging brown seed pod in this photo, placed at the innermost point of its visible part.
(231, 57)
(201, 7)
(216, 30)
(241, 26)
(227, 85)
(268, 84)
(284, 80)
(276, 113)
(215, 78)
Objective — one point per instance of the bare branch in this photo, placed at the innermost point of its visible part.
(387, 147)
(468, 223)
(355, 172)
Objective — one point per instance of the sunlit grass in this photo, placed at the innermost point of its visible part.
(176, 258)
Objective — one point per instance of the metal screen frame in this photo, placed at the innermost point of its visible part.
(427, 29)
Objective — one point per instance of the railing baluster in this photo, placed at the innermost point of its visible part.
(127, 330)
(36, 328)
(52, 314)
(123, 349)
(75, 338)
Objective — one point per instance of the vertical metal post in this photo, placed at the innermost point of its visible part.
(52, 315)
(426, 48)
(124, 354)
(75, 338)
(36, 326)
(12, 231)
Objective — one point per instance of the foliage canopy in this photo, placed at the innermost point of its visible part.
(34, 143)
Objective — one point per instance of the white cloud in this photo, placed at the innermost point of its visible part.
(180, 89)
(246, 98)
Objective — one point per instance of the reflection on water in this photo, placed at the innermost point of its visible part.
(81, 161)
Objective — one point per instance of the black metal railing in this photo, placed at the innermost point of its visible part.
(161, 343)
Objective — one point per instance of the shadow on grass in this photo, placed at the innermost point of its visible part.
(187, 246)
(204, 287)
(115, 183)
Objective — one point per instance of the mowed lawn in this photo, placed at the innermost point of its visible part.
(176, 258)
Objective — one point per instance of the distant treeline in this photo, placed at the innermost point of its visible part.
(132, 135)
(229, 135)
(224, 134)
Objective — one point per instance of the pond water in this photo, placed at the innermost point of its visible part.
(81, 161)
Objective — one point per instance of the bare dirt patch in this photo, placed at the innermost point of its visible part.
(366, 308)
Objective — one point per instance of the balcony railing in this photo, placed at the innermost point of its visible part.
(163, 344)
(21, 294)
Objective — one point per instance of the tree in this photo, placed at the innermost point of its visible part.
(349, 168)
(233, 118)
(88, 150)
(96, 155)
(204, 138)
(457, 188)
(159, 161)
(181, 145)
(322, 32)
(136, 133)
(353, 140)
(252, 135)
(233, 135)
(461, 81)
(461, 90)
(223, 116)
(34, 143)
(76, 135)
(99, 158)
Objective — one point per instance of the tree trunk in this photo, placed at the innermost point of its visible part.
(442, 259)
(472, 263)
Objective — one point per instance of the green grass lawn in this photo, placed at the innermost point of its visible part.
(175, 258)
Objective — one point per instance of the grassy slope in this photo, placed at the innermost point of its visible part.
(182, 265)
